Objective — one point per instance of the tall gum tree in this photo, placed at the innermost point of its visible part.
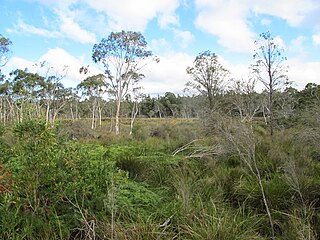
(26, 93)
(4, 55)
(4, 50)
(123, 55)
(270, 70)
(208, 76)
(54, 95)
(93, 88)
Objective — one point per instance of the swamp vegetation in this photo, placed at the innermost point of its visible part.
(226, 164)
(171, 179)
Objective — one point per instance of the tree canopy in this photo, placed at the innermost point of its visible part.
(269, 69)
(123, 56)
(208, 75)
(4, 50)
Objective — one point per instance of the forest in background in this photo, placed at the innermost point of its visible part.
(225, 163)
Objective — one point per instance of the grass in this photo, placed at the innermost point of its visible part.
(93, 184)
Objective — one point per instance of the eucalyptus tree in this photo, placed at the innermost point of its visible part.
(208, 76)
(309, 97)
(147, 106)
(26, 92)
(135, 99)
(93, 88)
(4, 50)
(5, 43)
(73, 105)
(55, 96)
(244, 98)
(307, 108)
(123, 56)
(6, 104)
(270, 70)
(53, 93)
(171, 104)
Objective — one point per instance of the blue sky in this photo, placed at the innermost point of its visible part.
(63, 32)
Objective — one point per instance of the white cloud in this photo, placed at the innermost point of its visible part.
(293, 11)
(22, 27)
(18, 63)
(316, 39)
(184, 37)
(298, 41)
(226, 20)
(302, 73)
(297, 46)
(229, 19)
(160, 45)
(73, 30)
(135, 15)
(166, 19)
(279, 42)
(54, 58)
(237, 71)
(61, 4)
(169, 75)
(68, 28)
(266, 21)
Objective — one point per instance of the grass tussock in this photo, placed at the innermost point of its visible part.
(167, 180)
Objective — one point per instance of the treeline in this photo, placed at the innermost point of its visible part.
(119, 93)
(25, 95)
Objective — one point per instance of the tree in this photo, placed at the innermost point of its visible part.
(26, 93)
(123, 55)
(135, 100)
(55, 97)
(208, 76)
(4, 50)
(73, 104)
(240, 139)
(53, 93)
(94, 87)
(170, 104)
(309, 97)
(244, 98)
(270, 70)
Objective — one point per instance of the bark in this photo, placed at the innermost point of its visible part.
(117, 124)
(134, 113)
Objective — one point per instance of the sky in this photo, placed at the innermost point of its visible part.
(63, 32)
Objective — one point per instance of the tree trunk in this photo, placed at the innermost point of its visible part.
(93, 118)
(100, 113)
(47, 112)
(93, 114)
(133, 116)
(2, 109)
(77, 112)
(71, 112)
(210, 99)
(117, 124)
(271, 107)
(264, 198)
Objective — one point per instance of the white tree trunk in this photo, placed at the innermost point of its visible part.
(117, 124)
(134, 113)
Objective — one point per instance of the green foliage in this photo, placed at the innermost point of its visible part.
(208, 76)
(4, 50)
(128, 187)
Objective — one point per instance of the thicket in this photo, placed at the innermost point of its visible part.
(171, 179)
